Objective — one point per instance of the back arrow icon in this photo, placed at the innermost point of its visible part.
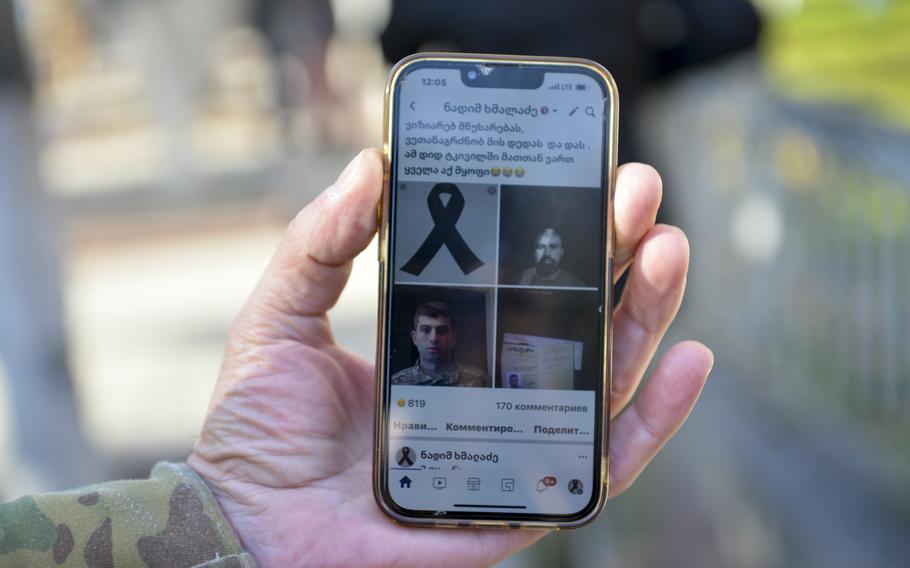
(412, 105)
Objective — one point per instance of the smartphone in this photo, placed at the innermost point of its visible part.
(495, 252)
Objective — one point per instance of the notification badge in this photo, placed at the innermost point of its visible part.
(545, 483)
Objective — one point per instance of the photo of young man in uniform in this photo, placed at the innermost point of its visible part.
(434, 335)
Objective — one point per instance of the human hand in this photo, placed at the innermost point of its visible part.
(287, 442)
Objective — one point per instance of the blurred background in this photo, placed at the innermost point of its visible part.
(152, 151)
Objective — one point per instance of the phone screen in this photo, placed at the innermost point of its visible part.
(496, 265)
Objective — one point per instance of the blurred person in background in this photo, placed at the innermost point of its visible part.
(298, 33)
(49, 450)
(639, 41)
(175, 49)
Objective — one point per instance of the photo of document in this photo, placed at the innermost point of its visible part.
(532, 362)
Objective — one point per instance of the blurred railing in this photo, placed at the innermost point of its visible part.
(799, 222)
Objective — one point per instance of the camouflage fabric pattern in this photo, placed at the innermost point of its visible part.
(457, 376)
(170, 520)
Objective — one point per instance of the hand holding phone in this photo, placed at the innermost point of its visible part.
(287, 444)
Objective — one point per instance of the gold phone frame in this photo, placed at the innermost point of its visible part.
(380, 422)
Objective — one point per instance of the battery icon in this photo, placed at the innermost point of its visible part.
(580, 87)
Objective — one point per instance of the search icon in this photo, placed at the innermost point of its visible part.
(589, 111)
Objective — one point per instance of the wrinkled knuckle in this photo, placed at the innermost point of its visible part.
(297, 227)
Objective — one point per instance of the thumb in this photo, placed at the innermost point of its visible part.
(312, 264)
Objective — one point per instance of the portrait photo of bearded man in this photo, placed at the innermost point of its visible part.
(548, 254)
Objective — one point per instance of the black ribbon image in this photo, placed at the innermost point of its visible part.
(444, 233)
(404, 457)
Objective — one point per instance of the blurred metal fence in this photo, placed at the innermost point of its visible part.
(799, 221)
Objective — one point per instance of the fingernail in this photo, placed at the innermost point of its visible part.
(341, 185)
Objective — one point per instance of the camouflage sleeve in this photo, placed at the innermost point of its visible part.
(170, 520)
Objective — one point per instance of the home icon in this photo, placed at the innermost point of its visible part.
(405, 482)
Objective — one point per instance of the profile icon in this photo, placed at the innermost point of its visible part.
(548, 253)
(406, 457)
